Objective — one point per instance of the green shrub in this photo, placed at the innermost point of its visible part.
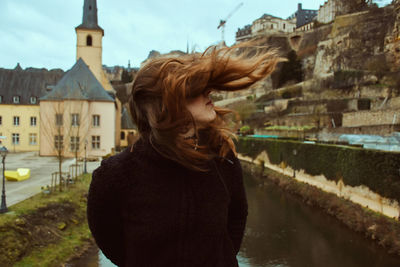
(250, 97)
(375, 169)
(245, 130)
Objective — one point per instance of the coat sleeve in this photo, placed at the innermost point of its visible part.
(104, 212)
(237, 214)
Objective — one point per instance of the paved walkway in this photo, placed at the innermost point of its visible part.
(41, 169)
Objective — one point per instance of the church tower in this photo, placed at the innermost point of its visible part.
(89, 37)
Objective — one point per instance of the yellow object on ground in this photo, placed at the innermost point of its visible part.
(19, 175)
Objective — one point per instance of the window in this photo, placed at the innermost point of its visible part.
(89, 40)
(33, 100)
(1, 99)
(75, 119)
(96, 142)
(96, 120)
(122, 135)
(284, 26)
(1, 120)
(59, 142)
(33, 121)
(32, 139)
(16, 99)
(16, 121)
(15, 138)
(59, 119)
(74, 144)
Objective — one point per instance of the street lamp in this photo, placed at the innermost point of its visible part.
(84, 168)
(294, 169)
(3, 208)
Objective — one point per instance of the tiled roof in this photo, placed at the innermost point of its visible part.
(26, 83)
(78, 83)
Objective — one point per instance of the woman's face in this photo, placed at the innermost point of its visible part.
(202, 108)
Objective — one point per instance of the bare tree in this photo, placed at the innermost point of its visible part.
(64, 128)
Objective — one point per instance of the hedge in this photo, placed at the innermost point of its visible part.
(378, 170)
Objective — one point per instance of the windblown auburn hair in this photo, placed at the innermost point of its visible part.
(162, 87)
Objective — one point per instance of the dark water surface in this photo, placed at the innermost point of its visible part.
(283, 232)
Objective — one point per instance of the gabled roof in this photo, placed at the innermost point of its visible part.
(26, 83)
(126, 119)
(268, 16)
(78, 83)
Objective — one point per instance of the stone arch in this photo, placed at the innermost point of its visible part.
(295, 42)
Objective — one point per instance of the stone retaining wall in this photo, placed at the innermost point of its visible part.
(361, 195)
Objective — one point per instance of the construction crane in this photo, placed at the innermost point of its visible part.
(222, 22)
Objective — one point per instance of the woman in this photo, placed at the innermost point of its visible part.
(176, 197)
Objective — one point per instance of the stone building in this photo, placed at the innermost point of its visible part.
(306, 27)
(89, 45)
(303, 16)
(89, 48)
(268, 24)
(20, 91)
(328, 11)
(128, 128)
(77, 112)
(243, 34)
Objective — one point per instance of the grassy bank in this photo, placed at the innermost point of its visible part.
(46, 229)
(383, 230)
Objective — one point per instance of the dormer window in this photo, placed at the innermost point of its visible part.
(89, 40)
(33, 100)
(49, 87)
(16, 99)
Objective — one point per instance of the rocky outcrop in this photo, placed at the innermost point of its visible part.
(392, 41)
(355, 42)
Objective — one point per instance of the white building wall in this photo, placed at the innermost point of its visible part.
(272, 25)
(106, 130)
(86, 109)
(327, 12)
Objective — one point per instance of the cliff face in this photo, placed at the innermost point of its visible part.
(359, 41)
(364, 41)
(392, 41)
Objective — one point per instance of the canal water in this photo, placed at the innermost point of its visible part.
(282, 231)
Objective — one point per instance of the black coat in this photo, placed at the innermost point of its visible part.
(146, 210)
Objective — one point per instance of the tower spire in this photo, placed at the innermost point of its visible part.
(89, 19)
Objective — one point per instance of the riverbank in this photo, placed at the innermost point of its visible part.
(46, 229)
(383, 230)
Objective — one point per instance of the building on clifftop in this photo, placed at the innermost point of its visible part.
(303, 16)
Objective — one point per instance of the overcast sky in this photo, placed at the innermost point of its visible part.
(41, 33)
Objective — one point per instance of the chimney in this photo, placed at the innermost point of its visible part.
(299, 6)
